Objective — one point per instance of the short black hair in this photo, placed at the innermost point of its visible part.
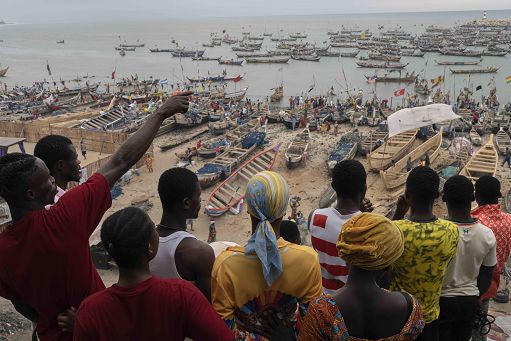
(458, 191)
(53, 148)
(422, 185)
(349, 179)
(126, 235)
(15, 171)
(289, 231)
(174, 185)
(488, 189)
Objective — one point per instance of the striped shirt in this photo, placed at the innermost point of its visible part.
(325, 226)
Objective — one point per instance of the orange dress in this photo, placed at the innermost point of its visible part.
(325, 322)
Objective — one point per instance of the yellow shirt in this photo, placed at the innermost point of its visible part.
(238, 286)
(429, 247)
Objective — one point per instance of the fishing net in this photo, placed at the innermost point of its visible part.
(253, 138)
(209, 168)
(219, 143)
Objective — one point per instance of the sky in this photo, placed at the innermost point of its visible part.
(34, 11)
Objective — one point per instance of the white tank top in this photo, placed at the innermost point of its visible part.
(164, 264)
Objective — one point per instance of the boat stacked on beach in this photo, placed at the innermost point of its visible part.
(297, 149)
(483, 162)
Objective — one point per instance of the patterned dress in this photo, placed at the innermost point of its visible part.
(325, 322)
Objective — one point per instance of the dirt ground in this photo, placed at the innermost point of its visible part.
(307, 181)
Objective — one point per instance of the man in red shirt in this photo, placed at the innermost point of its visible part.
(45, 261)
(140, 306)
(487, 190)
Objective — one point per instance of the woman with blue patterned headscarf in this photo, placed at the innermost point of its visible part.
(269, 273)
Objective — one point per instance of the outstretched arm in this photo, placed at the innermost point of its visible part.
(134, 148)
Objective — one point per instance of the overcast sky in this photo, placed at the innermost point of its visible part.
(90, 10)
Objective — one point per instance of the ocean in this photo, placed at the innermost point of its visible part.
(89, 50)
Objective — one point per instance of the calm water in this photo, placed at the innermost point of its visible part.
(89, 48)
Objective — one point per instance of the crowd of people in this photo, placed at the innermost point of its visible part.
(366, 277)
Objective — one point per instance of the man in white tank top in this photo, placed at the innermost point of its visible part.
(349, 182)
(181, 254)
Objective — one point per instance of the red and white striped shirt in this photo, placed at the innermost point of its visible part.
(325, 226)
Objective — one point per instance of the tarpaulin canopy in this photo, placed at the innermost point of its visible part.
(413, 118)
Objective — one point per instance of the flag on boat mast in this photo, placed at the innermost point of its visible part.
(237, 79)
(48, 68)
(399, 92)
(508, 79)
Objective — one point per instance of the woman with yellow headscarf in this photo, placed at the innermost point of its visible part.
(361, 310)
(268, 274)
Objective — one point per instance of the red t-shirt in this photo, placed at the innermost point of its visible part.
(156, 309)
(45, 259)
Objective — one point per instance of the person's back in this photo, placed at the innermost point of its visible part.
(470, 271)
(430, 244)
(140, 306)
(362, 310)
(279, 276)
(137, 313)
(181, 254)
(349, 183)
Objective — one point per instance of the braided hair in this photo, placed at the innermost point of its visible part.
(126, 235)
(15, 171)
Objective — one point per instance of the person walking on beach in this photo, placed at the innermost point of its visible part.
(507, 157)
(83, 149)
(180, 194)
(149, 162)
(53, 245)
(212, 232)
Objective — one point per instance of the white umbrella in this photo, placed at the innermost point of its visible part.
(413, 118)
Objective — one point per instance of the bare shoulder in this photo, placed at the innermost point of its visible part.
(195, 250)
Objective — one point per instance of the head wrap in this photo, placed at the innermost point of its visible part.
(370, 241)
(267, 196)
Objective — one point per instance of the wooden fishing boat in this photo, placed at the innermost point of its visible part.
(230, 62)
(345, 150)
(3, 71)
(310, 58)
(328, 53)
(267, 60)
(220, 127)
(408, 78)
(230, 192)
(206, 58)
(349, 54)
(468, 62)
(376, 65)
(138, 44)
(235, 96)
(189, 53)
(470, 71)
(178, 139)
(117, 119)
(475, 138)
(396, 175)
(465, 53)
(502, 141)
(372, 141)
(130, 49)
(189, 119)
(274, 117)
(483, 162)
(278, 94)
(213, 147)
(391, 150)
(252, 55)
(122, 52)
(161, 50)
(223, 165)
(297, 148)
